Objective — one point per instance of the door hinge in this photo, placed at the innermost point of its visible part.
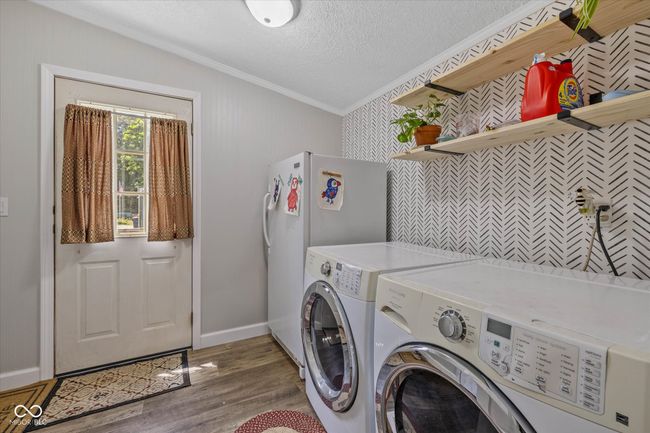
(54, 210)
(54, 228)
(192, 318)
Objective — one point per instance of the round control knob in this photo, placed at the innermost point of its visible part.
(326, 269)
(452, 326)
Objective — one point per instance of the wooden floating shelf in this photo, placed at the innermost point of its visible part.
(552, 37)
(601, 115)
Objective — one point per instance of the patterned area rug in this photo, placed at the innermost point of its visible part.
(281, 421)
(17, 404)
(82, 394)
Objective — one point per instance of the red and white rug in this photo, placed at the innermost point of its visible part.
(281, 421)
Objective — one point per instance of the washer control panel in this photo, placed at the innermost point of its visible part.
(561, 368)
(347, 278)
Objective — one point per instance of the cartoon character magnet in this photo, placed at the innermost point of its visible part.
(294, 196)
(275, 193)
(332, 189)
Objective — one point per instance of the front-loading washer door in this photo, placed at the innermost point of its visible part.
(329, 347)
(426, 389)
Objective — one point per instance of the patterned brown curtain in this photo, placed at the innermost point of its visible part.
(86, 184)
(170, 193)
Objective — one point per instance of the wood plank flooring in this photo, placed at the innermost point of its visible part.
(230, 384)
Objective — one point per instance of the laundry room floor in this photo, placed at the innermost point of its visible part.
(230, 384)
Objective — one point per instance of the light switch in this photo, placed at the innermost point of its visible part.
(4, 206)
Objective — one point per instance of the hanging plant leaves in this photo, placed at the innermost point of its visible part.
(586, 14)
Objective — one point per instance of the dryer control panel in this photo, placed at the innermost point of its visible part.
(557, 366)
(343, 277)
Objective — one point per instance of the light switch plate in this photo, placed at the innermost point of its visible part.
(4, 206)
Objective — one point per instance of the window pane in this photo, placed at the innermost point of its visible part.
(130, 213)
(130, 173)
(129, 133)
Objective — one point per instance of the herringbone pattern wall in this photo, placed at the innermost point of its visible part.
(516, 201)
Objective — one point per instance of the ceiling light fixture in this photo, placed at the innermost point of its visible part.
(273, 13)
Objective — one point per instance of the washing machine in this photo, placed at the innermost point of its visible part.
(495, 346)
(337, 325)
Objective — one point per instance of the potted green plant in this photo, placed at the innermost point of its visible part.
(419, 122)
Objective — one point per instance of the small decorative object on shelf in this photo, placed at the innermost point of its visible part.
(495, 126)
(618, 94)
(419, 122)
(444, 138)
(468, 124)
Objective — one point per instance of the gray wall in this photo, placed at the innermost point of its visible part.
(245, 127)
(515, 202)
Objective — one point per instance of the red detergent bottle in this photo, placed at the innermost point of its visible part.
(549, 89)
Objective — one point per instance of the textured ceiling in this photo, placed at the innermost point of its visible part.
(334, 53)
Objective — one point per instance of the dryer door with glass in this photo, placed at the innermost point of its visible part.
(330, 354)
(425, 389)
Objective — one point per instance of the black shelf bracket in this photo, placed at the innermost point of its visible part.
(434, 86)
(570, 20)
(427, 148)
(566, 117)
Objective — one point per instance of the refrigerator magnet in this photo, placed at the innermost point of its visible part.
(294, 196)
(277, 189)
(332, 189)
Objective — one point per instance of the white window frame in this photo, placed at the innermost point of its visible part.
(146, 115)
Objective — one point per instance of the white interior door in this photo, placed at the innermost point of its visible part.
(128, 298)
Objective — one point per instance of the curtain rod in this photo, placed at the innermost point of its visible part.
(114, 106)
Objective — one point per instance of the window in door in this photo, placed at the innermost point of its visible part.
(131, 142)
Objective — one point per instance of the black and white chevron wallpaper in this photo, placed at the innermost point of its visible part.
(516, 202)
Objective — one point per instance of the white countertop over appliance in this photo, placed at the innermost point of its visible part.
(616, 310)
(348, 261)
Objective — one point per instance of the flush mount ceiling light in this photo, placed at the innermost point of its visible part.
(273, 13)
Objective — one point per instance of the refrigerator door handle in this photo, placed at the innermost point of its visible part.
(265, 229)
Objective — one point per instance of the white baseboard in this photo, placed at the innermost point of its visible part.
(234, 334)
(18, 378)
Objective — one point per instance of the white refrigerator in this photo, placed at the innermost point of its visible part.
(314, 200)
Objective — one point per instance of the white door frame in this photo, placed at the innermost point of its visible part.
(48, 74)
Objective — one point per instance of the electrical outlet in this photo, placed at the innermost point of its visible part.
(605, 215)
(588, 204)
(605, 219)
